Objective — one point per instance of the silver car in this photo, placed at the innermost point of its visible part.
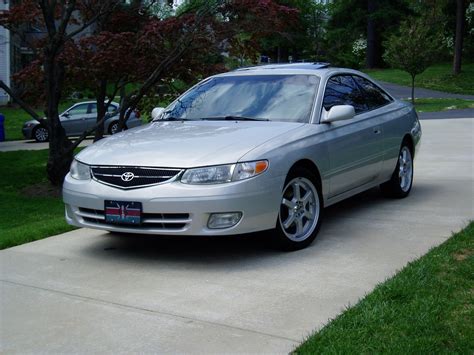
(261, 148)
(79, 118)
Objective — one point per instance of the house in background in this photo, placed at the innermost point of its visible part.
(5, 63)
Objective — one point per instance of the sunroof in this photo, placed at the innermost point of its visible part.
(305, 66)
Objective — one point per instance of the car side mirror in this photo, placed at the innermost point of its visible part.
(339, 113)
(65, 114)
(157, 111)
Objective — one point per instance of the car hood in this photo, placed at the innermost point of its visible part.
(183, 144)
(32, 121)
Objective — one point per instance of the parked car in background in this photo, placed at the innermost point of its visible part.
(261, 148)
(79, 118)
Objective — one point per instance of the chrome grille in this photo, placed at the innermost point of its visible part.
(159, 221)
(128, 177)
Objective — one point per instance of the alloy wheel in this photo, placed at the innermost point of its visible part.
(405, 170)
(41, 134)
(299, 209)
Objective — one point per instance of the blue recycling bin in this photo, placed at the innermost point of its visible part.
(2, 128)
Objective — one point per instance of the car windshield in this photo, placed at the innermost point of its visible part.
(248, 97)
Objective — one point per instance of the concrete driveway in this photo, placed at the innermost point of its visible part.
(89, 291)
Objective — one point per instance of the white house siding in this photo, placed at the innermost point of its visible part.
(4, 56)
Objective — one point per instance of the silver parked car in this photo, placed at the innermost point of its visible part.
(79, 118)
(261, 148)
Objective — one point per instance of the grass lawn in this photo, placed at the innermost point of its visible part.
(436, 77)
(432, 105)
(426, 308)
(29, 211)
(15, 117)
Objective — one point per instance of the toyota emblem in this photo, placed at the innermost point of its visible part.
(128, 176)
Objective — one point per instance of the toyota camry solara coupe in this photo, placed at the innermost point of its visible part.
(261, 148)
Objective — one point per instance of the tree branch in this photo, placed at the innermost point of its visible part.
(27, 108)
(108, 8)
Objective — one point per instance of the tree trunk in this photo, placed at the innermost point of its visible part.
(458, 44)
(101, 110)
(371, 51)
(413, 90)
(60, 156)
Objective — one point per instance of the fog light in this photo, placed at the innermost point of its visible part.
(223, 220)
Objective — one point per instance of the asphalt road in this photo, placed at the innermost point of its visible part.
(89, 291)
(404, 92)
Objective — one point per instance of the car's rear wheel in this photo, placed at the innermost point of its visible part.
(399, 186)
(41, 134)
(300, 213)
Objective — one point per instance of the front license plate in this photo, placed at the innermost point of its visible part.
(123, 212)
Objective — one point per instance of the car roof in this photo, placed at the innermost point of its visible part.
(92, 102)
(317, 68)
(306, 66)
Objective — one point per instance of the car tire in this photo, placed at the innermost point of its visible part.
(401, 182)
(113, 128)
(301, 208)
(40, 134)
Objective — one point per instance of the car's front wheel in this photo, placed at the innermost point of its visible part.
(399, 186)
(113, 128)
(41, 134)
(300, 213)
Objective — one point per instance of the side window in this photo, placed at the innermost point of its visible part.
(92, 108)
(342, 90)
(112, 109)
(79, 110)
(374, 97)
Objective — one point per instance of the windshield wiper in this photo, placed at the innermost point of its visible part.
(234, 118)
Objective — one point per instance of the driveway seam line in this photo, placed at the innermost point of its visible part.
(147, 310)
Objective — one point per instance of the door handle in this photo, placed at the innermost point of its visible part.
(377, 131)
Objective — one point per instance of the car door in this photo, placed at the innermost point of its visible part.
(74, 119)
(377, 100)
(91, 116)
(354, 151)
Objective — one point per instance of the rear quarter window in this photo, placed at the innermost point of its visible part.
(374, 97)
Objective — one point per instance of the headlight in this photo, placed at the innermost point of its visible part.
(80, 171)
(224, 173)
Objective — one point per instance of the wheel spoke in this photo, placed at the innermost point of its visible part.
(307, 197)
(296, 191)
(288, 203)
(299, 226)
(289, 221)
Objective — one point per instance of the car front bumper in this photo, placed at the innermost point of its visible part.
(178, 209)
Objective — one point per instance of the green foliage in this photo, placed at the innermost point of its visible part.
(347, 28)
(29, 212)
(414, 48)
(433, 105)
(426, 308)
